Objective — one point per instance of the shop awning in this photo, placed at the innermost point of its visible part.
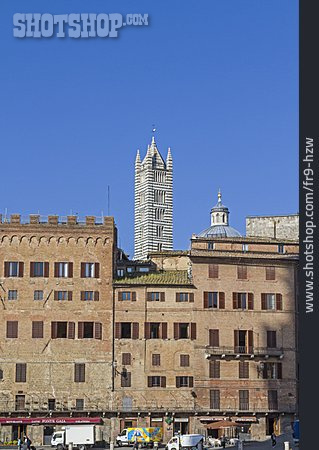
(221, 424)
(48, 420)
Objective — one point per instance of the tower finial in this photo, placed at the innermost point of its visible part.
(219, 195)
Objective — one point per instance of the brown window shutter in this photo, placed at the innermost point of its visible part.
(250, 300)
(71, 330)
(149, 296)
(21, 269)
(97, 330)
(82, 296)
(213, 271)
(56, 270)
(205, 299)
(214, 338)
(193, 331)
(97, 270)
(133, 295)
(279, 371)
(96, 296)
(221, 300)
(162, 296)
(117, 330)
(164, 330)
(80, 330)
(235, 300)
(271, 339)
(147, 330)
(270, 273)
(149, 381)
(178, 382)
(46, 270)
(163, 382)
(250, 341)
(190, 382)
(263, 302)
(82, 270)
(119, 296)
(54, 330)
(236, 339)
(70, 270)
(279, 302)
(55, 295)
(70, 295)
(37, 329)
(177, 296)
(126, 359)
(135, 333)
(31, 269)
(176, 331)
(191, 297)
(6, 269)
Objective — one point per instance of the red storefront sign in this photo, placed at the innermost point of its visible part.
(48, 420)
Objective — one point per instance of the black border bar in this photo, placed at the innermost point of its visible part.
(308, 298)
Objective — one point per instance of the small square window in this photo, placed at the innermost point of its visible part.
(79, 404)
(12, 294)
(38, 295)
(211, 245)
(281, 248)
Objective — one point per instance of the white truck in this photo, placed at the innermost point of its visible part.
(186, 441)
(81, 436)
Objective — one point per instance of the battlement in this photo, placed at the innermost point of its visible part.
(54, 220)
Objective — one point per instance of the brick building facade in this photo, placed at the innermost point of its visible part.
(206, 334)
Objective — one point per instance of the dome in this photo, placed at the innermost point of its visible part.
(219, 222)
(219, 231)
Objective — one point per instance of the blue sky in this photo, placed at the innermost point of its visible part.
(219, 78)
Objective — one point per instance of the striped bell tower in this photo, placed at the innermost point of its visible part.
(153, 226)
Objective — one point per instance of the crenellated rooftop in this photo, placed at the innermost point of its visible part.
(55, 220)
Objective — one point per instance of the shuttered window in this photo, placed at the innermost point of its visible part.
(37, 329)
(184, 360)
(185, 297)
(155, 330)
(214, 399)
(184, 381)
(12, 329)
(21, 373)
(63, 295)
(213, 270)
(13, 269)
(87, 296)
(272, 371)
(127, 295)
(64, 330)
(126, 359)
(271, 302)
(89, 330)
(272, 400)
(243, 369)
(63, 270)
(243, 300)
(156, 359)
(185, 331)
(214, 300)
(156, 296)
(126, 330)
(242, 272)
(156, 381)
(244, 400)
(125, 378)
(79, 373)
(90, 270)
(214, 338)
(39, 269)
(214, 369)
(271, 339)
(270, 273)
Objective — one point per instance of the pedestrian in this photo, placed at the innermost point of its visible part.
(273, 439)
(223, 441)
(19, 443)
(29, 442)
(135, 445)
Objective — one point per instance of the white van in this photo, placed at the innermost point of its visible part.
(186, 441)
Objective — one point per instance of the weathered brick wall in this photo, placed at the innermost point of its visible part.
(278, 227)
